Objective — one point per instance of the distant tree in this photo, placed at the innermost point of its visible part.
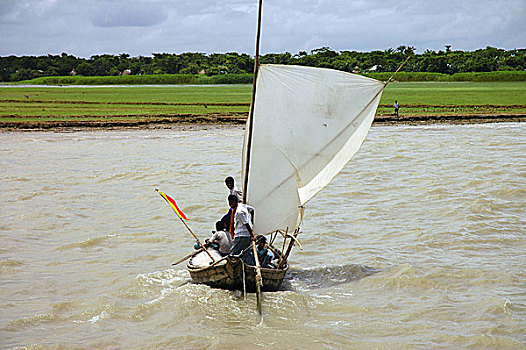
(448, 61)
(102, 65)
(276, 58)
(29, 62)
(25, 74)
(84, 68)
(325, 52)
(191, 68)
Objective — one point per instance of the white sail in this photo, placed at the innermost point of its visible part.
(307, 124)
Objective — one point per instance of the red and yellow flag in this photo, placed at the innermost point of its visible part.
(174, 206)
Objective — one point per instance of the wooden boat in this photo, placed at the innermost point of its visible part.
(233, 274)
(304, 126)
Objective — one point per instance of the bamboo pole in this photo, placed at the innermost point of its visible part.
(188, 256)
(198, 240)
(291, 244)
(251, 114)
(259, 279)
(283, 247)
(273, 237)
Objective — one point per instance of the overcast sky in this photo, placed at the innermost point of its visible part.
(142, 27)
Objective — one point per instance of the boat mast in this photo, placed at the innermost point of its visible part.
(251, 113)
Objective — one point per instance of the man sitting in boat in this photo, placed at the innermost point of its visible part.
(240, 224)
(221, 239)
(265, 256)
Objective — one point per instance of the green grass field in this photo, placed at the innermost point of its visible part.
(421, 98)
(143, 102)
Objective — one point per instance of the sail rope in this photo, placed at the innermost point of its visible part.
(392, 76)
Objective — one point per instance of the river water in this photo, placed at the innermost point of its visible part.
(420, 243)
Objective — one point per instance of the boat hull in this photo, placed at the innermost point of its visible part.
(228, 274)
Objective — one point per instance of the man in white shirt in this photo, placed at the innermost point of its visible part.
(241, 223)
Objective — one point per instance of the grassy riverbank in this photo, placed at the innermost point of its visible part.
(198, 79)
(141, 105)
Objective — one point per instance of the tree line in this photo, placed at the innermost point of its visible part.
(490, 59)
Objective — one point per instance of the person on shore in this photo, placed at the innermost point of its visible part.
(241, 224)
(396, 107)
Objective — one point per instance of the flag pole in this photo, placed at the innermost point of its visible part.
(201, 244)
(190, 230)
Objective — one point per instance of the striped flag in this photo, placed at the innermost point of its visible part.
(174, 206)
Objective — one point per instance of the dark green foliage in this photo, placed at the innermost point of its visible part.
(230, 68)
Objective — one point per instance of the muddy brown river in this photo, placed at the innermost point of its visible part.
(420, 243)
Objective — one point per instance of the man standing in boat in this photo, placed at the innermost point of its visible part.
(229, 182)
(240, 224)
